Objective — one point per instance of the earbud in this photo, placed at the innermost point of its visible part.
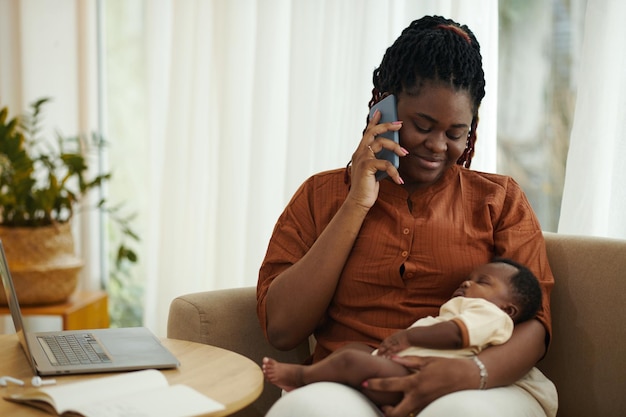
(5, 379)
(37, 381)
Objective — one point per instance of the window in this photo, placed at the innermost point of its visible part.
(539, 46)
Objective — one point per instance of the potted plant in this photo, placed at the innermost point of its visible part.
(41, 186)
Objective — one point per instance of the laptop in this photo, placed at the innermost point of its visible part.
(85, 351)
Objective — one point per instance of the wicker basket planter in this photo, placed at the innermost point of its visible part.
(42, 261)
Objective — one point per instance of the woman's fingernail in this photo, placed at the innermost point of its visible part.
(365, 384)
(405, 151)
(397, 122)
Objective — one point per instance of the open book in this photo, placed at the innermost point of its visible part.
(137, 394)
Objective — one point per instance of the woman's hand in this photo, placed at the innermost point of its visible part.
(433, 378)
(363, 185)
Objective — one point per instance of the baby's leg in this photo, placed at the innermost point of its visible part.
(347, 366)
(287, 376)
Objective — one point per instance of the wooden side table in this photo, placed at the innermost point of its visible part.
(220, 374)
(83, 310)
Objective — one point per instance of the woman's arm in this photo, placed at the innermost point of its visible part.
(297, 299)
(437, 377)
(509, 362)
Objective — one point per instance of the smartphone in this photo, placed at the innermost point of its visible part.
(388, 113)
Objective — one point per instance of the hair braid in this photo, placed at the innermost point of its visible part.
(434, 48)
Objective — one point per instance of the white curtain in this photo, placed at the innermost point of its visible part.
(228, 106)
(594, 196)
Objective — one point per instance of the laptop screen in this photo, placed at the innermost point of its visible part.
(14, 307)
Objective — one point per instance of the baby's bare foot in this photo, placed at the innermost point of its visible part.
(284, 375)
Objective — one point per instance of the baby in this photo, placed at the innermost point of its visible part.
(481, 312)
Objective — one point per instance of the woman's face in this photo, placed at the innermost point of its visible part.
(436, 123)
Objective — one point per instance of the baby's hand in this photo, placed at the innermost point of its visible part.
(394, 344)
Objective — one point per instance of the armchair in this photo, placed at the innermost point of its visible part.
(585, 360)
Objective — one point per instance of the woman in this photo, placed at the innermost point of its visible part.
(353, 259)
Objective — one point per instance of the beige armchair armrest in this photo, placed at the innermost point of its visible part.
(586, 358)
(228, 319)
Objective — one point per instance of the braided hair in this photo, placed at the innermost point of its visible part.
(434, 48)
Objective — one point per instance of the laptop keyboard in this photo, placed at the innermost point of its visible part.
(73, 349)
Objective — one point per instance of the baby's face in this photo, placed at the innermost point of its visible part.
(489, 281)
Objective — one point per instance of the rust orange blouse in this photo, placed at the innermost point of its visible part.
(412, 251)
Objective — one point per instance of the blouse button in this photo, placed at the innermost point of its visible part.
(405, 253)
(406, 231)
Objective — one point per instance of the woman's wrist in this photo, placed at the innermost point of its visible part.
(357, 208)
(482, 372)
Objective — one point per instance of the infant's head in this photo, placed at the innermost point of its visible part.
(506, 283)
